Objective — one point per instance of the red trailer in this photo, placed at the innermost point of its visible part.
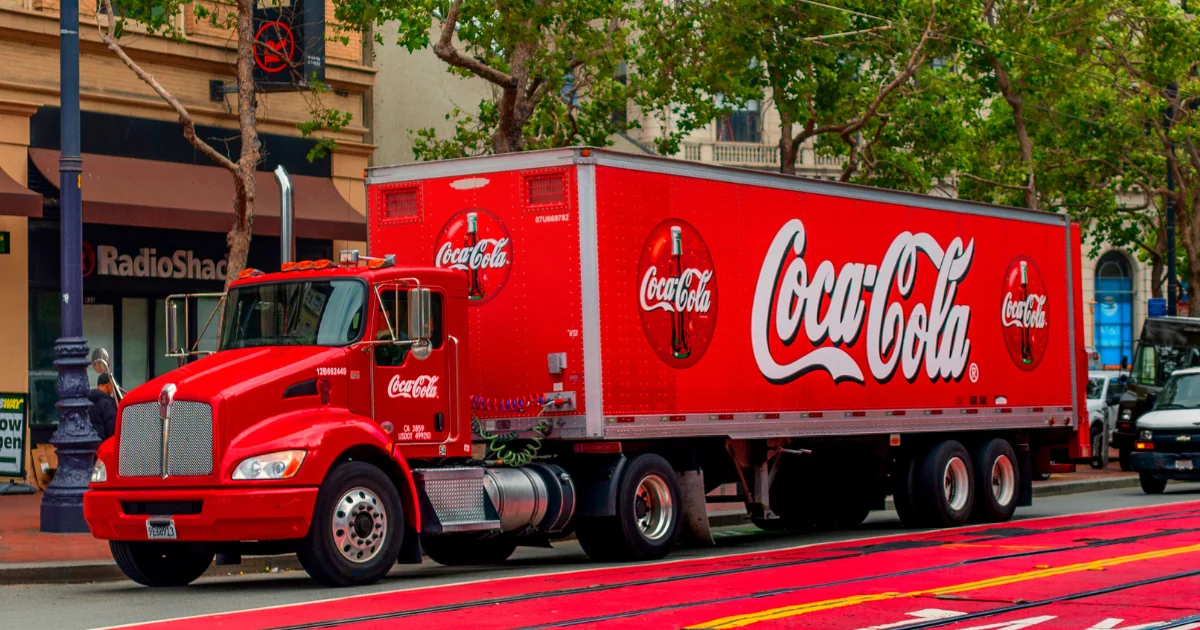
(585, 340)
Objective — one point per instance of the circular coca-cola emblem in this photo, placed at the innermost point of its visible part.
(677, 293)
(89, 260)
(1024, 313)
(475, 241)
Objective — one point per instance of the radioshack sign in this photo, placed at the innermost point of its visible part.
(148, 262)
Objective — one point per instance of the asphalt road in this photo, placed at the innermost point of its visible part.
(117, 603)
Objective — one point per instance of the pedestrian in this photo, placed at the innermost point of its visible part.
(104, 408)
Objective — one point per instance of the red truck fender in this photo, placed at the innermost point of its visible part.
(328, 436)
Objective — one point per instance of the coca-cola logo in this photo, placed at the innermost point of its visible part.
(420, 387)
(477, 243)
(1024, 313)
(906, 330)
(677, 293)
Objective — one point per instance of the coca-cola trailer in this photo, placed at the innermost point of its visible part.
(583, 340)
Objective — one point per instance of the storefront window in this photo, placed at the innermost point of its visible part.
(1113, 323)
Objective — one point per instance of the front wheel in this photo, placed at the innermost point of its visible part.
(455, 550)
(1126, 460)
(648, 519)
(161, 563)
(1151, 485)
(357, 527)
(1099, 448)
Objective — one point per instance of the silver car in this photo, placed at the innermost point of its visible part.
(1103, 393)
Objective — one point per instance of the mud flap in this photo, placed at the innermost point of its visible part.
(1025, 474)
(696, 529)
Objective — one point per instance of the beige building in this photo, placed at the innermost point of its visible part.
(154, 210)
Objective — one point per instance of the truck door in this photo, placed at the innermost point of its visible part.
(410, 393)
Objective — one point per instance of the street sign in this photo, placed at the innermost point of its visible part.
(12, 435)
(5, 243)
(289, 43)
(1156, 307)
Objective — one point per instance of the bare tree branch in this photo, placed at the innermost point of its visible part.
(445, 50)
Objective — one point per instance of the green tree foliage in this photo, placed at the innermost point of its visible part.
(556, 67)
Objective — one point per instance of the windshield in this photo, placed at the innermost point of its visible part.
(1181, 392)
(1155, 363)
(312, 313)
(1095, 388)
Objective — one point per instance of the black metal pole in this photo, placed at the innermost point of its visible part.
(75, 440)
(1172, 279)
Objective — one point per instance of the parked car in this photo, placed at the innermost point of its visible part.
(1167, 344)
(1103, 395)
(1168, 436)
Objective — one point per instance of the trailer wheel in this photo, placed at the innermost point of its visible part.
(944, 485)
(161, 563)
(357, 527)
(455, 550)
(648, 519)
(1150, 485)
(997, 482)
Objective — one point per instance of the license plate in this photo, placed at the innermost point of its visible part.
(1183, 464)
(160, 529)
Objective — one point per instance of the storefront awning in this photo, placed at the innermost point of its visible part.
(150, 193)
(17, 200)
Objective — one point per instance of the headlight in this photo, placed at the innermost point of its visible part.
(1145, 435)
(99, 472)
(281, 465)
(1126, 415)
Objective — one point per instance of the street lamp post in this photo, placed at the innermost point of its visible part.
(75, 440)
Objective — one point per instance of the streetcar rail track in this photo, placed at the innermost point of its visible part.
(860, 551)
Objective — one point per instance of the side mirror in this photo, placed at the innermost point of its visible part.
(100, 361)
(1151, 398)
(172, 328)
(420, 322)
(1124, 362)
(1123, 379)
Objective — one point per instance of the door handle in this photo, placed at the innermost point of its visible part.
(439, 422)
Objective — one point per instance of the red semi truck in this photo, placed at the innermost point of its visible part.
(584, 341)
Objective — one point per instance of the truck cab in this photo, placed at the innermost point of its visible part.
(1166, 344)
(320, 367)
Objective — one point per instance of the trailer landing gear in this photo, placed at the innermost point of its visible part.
(648, 519)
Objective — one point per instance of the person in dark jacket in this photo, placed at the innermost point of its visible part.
(104, 408)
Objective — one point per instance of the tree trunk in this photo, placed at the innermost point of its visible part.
(788, 150)
(247, 164)
(509, 136)
(1158, 272)
(1023, 140)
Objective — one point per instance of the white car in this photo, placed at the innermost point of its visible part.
(1168, 435)
(1103, 393)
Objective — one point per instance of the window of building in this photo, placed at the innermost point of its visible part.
(743, 125)
(1113, 323)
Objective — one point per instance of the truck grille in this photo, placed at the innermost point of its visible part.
(189, 442)
(1176, 441)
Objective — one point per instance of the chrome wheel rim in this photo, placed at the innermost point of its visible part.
(1004, 480)
(359, 525)
(956, 484)
(653, 508)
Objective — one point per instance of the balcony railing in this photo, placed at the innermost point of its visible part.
(750, 155)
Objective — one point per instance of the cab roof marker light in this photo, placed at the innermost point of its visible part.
(248, 272)
(287, 266)
(304, 265)
(322, 264)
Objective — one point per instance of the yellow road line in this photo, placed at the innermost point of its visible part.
(738, 621)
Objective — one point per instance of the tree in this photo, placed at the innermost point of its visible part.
(555, 67)
(158, 17)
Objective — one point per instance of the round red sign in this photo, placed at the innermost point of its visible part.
(1024, 313)
(677, 293)
(477, 242)
(89, 260)
(274, 46)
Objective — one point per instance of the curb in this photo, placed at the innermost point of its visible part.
(73, 573)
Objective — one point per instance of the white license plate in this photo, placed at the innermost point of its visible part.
(160, 529)
(1183, 464)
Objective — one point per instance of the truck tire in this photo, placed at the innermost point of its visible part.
(944, 485)
(1126, 460)
(161, 563)
(648, 519)
(997, 482)
(1150, 485)
(357, 527)
(457, 550)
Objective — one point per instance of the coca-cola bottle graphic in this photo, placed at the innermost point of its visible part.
(474, 286)
(1026, 340)
(681, 347)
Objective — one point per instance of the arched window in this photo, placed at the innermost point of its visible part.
(1113, 325)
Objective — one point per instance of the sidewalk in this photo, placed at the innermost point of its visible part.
(29, 556)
